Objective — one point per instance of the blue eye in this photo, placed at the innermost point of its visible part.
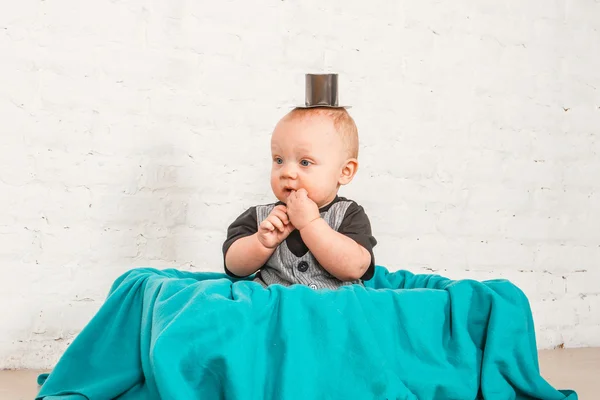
(278, 160)
(305, 163)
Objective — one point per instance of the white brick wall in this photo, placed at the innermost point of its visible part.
(132, 133)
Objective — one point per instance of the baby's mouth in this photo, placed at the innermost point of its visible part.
(287, 191)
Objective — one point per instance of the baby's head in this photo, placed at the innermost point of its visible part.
(315, 149)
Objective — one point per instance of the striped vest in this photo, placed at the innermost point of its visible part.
(285, 268)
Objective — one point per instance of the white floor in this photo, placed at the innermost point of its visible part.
(576, 369)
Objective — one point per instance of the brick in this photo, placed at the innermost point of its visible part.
(566, 258)
(585, 282)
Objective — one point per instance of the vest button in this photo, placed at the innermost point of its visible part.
(302, 266)
(312, 286)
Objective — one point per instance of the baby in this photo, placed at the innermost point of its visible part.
(311, 236)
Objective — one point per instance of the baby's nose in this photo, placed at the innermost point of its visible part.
(288, 171)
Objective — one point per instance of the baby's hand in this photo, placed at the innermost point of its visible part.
(301, 209)
(275, 228)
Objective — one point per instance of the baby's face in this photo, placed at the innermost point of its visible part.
(307, 153)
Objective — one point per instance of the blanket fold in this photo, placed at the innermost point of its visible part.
(169, 334)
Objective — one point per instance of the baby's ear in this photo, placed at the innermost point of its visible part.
(348, 171)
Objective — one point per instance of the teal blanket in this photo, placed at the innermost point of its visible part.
(180, 335)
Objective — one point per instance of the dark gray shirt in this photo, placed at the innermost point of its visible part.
(292, 262)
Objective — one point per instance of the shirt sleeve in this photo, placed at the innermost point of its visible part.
(356, 225)
(244, 225)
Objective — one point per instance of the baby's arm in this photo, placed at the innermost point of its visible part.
(247, 255)
(340, 255)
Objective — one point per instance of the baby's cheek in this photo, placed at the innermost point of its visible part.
(314, 197)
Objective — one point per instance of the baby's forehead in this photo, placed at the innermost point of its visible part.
(329, 124)
(312, 130)
(299, 145)
(305, 126)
